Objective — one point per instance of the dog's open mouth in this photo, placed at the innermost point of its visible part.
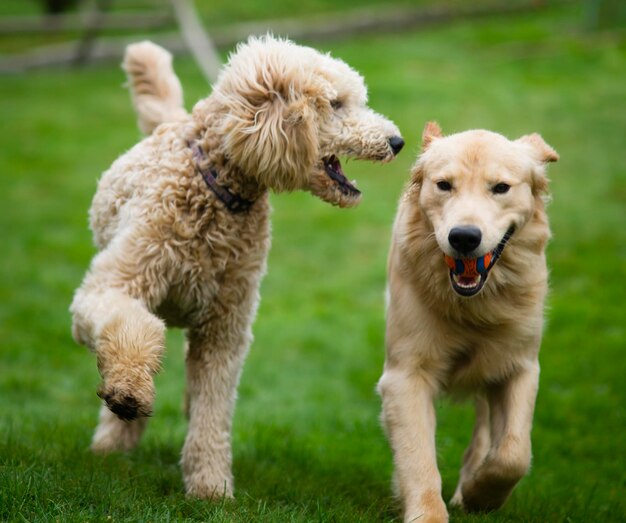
(330, 184)
(468, 275)
(332, 166)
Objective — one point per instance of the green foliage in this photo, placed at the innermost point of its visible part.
(307, 443)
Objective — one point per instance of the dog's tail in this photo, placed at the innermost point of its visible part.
(155, 88)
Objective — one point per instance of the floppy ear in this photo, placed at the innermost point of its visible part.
(431, 132)
(417, 174)
(542, 153)
(299, 144)
(273, 139)
(264, 106)
(541, 150)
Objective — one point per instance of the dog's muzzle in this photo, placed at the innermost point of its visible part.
(468, 275)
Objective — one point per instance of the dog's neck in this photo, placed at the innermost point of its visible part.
(207, 133)
(230, 184)
(239, 183)
(212, 158)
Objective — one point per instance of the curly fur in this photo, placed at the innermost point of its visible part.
(169, 251)
(155, 89)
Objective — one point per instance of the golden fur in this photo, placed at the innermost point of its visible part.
(171, 253)
(487, 345)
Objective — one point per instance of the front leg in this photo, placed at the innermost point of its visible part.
(477, 450)
(511, 406)
(409, 420)
(215, 354)
(112, 314)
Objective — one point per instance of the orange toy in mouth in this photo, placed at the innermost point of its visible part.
(469, 267)
(468, 275)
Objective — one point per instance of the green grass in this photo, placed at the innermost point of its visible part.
(307, 442)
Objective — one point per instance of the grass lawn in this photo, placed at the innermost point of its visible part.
(307, 442)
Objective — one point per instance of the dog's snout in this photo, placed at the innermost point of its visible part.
(465, 238)
(396, 143)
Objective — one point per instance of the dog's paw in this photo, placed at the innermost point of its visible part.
(488, 490)
(426, 517)
(128, 403)
(206, 464)
(209, 490)
(491, 485)
(428, 508)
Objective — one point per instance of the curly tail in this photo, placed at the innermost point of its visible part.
(155, 89)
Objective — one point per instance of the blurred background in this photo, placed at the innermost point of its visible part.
(307, 442)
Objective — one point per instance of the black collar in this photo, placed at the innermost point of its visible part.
(233, 202)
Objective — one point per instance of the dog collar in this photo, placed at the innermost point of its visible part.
(233, 202)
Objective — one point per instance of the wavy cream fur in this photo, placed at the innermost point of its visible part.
(486, 345)
(155, 89)
(171, 254)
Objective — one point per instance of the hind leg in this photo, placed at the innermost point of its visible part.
(114, 434)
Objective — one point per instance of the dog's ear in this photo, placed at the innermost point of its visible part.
(431, 132)
(268, 116)
(417, 175)
(540, 149)
(541, 153)
(287, 136)
(273, 138)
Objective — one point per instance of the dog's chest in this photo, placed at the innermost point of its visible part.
(223, 264)
(480, 361)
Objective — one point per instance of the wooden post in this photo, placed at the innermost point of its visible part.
(197, 39)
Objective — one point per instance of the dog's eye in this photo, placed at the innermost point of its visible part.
(336, 104)
(444, 186)
(500, 188)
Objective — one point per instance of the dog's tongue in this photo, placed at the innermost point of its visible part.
(468, 267)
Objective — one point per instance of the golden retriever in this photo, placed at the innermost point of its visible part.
(465, 299)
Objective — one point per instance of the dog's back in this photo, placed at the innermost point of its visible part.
(158, 98)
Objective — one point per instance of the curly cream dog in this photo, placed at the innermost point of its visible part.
(466, 289)
(182, 225)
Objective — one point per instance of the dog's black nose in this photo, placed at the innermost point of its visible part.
(396, 143)
(465, 238)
